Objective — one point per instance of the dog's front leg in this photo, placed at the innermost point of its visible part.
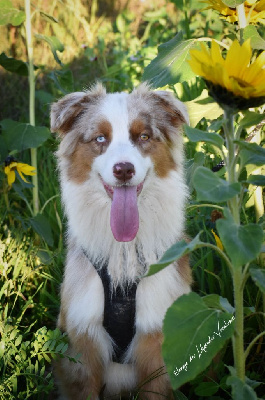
(152, 376)
(82, 379)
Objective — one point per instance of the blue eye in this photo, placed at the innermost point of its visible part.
(101, 139)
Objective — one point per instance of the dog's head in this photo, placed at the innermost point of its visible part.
(122, 139)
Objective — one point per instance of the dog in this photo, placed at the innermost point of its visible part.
(120, 161)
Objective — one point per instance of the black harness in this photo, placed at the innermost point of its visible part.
(119, 310)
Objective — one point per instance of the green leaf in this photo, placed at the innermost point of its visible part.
(242, 242)
(41, 225)
(240, 390)
(54, 44)
(250, 119)
(196, 135)
(188, 4)
(251, 153)
(191, 167)
(218, 302)
(256, 180)
(210, 187)
(206, 389)
(9, 14)
(178, 395)
(48, 17)
(193, 334)
(170, 66)
(174, 253)
(63, 80)
(257, 42)
(202, 107)
(232, 3)
(258, 276)
(13, 65)
(20, 136)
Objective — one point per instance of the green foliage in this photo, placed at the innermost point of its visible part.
(257, 42)
(242, 243)
(196, 135)
(13, 65)
(9, 14)
(20, 136)
(203, 332)
(210, 187)
(170, 66)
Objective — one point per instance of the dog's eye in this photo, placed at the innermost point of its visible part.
(101, 139)
(144, 137)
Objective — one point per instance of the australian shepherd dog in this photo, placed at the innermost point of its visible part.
(121, 172)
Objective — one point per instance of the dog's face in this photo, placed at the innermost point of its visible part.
(121, 140)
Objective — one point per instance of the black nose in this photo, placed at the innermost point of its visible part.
(123, 171)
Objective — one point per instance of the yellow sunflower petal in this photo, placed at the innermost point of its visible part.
(218, 241)
(216, 53)
(11, 177)
(26, 169)
(255, 74)
(22, 176)
(238, 58)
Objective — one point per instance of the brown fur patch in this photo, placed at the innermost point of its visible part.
(162, 158)
(174, 116)
(184, 269)
(84, 378)
(83, 156)
(153, 379)
(65, 112)
(157, 149)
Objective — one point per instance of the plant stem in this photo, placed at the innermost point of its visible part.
(237, 273)
(32, 102)
(242, 21)
(230, 164)
(238, 342)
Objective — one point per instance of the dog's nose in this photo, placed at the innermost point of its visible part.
(123, 171)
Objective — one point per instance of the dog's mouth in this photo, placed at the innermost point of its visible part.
(124, 215)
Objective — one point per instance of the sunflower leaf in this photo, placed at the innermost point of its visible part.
(240, 390)
(250, 119)
(9, 14)
(202, 107)
(174, 253)
(232, 3)
(196, 135)
(20, 136)
(210, 187)
(256, 180)
(13, 65)
(251, 153)
(170, 67)
(258, 276)
(257, 42)
(193, 334)
(242, 243)
(54, 44)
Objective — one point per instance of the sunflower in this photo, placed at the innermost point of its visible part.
(235, 81)
(254, 10)
(11, 166)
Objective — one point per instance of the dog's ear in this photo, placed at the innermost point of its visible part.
(175, 108)
(65, 111)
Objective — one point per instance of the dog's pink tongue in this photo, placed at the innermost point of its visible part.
(124, 217)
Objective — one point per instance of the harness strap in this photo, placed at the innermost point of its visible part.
(119, 311)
